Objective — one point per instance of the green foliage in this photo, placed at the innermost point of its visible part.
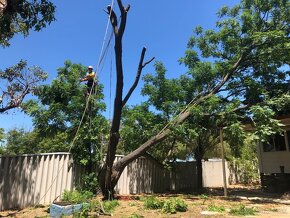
(174, 205)
(139, 124)
(101, 206)
(19, 141)
(216, 208)
(89, 182)
(22, 15)
(2, 135)
(242, 210)
(152, 203)
(135, 215)
(109, 206)
(265, 124)
(58, 111)
(76, 196)
(204, 197)
(163, 93)
(18, 81)
(246, 164)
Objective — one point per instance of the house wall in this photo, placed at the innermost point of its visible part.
(270, 162)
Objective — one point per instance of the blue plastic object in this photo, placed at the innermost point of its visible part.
(57, 210)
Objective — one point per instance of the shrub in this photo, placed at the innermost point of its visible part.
(216, 208)
(242, 210)
(174, 205)
(109, 206)
(76, 196)
(153, 203)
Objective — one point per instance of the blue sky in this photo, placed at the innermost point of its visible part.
(162, 26)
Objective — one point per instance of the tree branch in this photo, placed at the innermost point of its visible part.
(113, 19)
(123, 20)
(139, 71)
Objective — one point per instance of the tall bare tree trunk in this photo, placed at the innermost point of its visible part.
(107, 174)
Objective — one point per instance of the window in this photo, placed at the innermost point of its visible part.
(280, 143)
(268, 146)
(275, 143)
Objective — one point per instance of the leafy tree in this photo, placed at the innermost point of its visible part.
(138, 124)
(19, 141)
(59, 110)
(19, 16)
(2, 136)
(237, 63)
(17, 82)
(246, 164)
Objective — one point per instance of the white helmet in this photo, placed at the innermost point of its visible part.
(90, 67)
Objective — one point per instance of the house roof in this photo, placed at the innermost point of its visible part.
(285, 120)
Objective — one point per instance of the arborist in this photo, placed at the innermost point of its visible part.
(91, 80)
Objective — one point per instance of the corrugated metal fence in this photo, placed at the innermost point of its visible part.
(29, 180)
(32, 179)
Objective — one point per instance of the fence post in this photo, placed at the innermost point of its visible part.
(223, 163)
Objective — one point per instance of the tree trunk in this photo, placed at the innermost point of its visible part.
(198, 157)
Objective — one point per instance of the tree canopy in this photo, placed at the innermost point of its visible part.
(19, 16)
(18, 81)
(60, 108)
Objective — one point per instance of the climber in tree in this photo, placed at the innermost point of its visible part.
(91, 80)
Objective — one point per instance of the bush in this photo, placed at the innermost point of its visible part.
(153, 203)
(76, 197)
(109, 206)
(216, 208)
(242, 210)
(89, 183)
(174, 205)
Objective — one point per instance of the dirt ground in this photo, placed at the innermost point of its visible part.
(268, 205)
